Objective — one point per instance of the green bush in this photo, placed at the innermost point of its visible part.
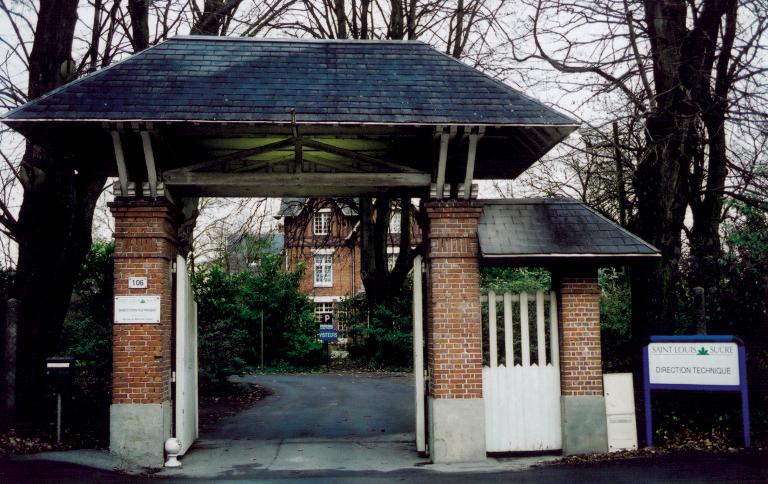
(87, 336)
(515, 279)
(230, 308)
(615, 320)
(387, 339)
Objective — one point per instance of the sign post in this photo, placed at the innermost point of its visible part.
(327, 334)
(698, 363)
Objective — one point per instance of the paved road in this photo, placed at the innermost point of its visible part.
(326, 406)
(328, 428)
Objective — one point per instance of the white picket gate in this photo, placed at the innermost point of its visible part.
(522, 398)
(186, 359)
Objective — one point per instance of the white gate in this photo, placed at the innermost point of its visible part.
(418, 356)
(522, 392)
(186, 358)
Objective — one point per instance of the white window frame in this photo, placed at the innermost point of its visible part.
(392, 255)
(395, 221)
(322, 308)
(323, 269)
(321, 224)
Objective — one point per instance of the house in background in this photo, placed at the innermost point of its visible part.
(322, 235)
(244, 251)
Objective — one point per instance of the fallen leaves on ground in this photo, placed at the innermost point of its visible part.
(11, 444)
(229, 400)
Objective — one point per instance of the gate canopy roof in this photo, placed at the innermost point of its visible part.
(207, 98)
(551, 231)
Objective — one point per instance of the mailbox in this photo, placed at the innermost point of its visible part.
(60, 371)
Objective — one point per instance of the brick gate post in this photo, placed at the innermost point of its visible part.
(140, 417)
(454, 333)
(581, 372)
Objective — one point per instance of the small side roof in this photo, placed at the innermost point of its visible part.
(549, 229)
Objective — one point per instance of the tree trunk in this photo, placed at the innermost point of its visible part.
(53, 224)
(382, 284)
(139, 12)
(707, 207)
(661, 178)
(341, 19)
(396, 20)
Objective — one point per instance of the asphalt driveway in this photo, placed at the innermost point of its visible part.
(358, 428)
(326, 406)
(318, 421)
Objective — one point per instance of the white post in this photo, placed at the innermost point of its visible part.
(441, 163)
(122, 171)
(493, 357)
(554, 344)
(509, 341)
(540, 331)
(525, 339)
(149, 158)
(418, 355)
(58, 418)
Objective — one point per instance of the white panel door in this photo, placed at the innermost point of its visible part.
(186, 358)
(522, 394)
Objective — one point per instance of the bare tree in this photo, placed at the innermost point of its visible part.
(677, 68)
(53, 224)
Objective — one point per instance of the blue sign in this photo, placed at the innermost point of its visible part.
(328, 334)
(699, 363)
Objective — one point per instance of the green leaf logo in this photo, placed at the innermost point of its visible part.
(702, 351)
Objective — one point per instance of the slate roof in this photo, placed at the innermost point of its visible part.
(214, 79)
(292, 206)
(553, 228)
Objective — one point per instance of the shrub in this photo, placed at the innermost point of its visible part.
(230, 309)
(87, 336)
(388, 338)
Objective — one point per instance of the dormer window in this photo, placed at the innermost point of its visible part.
(394, 222)
(322, 225)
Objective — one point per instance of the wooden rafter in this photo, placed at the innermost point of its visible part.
(240, 155)
(294, 184)
(319, 145)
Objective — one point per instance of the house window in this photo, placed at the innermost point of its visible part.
(322, 223)
(394, 222)
(323, 308)
(323, 270)
(392, 255)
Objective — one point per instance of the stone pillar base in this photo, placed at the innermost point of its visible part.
(456, 430)
(138, 431)
(584, 426)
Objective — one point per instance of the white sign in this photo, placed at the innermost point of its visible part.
(137, 309)
(138, 283)
(693, 363)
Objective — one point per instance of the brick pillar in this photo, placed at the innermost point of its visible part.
(141, 411)
(581, 373)
(454, 333)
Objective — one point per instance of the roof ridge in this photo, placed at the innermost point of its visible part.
(527, 201)
(226, 38)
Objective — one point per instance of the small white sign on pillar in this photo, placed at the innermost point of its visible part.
(138, 283)
(137, 309)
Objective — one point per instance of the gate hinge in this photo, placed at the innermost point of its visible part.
(173, 268)
(173, 377)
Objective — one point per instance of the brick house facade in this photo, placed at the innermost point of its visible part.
(322, 236)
